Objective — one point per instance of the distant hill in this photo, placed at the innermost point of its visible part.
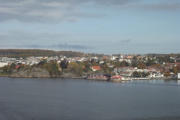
(37, 52)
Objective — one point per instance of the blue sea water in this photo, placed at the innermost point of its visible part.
(68, 99)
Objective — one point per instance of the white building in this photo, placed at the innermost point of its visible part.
(178, 75)
(156, 75)
(114, 58)
(2, 64)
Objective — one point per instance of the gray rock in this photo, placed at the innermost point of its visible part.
(31, 73)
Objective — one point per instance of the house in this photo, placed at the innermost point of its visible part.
(177, 60)
(98, 76)
(178, 76)
(119, 78)
(2, 64)
(114, 58)
(101, 62)
(129, 57)
(116, 77)
(124, 71)
(177, 64)
(96, 68)
(17, 66)
(156, 75)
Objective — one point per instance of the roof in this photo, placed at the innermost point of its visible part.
(96, 67)
(116, 77)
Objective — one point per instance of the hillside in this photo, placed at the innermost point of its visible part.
(37, 52)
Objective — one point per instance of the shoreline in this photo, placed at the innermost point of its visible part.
(82, 78)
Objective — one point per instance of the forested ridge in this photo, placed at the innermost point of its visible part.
(37, 52)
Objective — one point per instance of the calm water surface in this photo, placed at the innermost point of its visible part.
(55, 99)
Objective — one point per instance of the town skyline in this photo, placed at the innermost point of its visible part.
(68, 64)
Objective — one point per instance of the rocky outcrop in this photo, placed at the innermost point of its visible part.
(69, 75)
(31, 73)
(37, 72)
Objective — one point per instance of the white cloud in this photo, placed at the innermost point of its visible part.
(67, 10)
(50, 10)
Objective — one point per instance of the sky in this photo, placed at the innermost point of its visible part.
(93, 26)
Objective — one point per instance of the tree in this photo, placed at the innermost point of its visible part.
(134, 62)
(117, 64)
(41, 63)
(52, 68)
(140, 74)
(106, 69)
(64, 64)
(141, 65)
(143, 74)
(124, 64)
(174, 70)
(87, 66)
(136, 74)
(76, 68)
(150, 62)
(5, 69)
(167, 74)
(12, 66)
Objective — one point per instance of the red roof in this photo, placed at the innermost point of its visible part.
(17, 66)
(177, 63)
(96, 67)
(116, 77)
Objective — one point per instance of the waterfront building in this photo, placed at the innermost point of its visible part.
(179, 76)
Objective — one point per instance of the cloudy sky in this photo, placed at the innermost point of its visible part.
(102, 26)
